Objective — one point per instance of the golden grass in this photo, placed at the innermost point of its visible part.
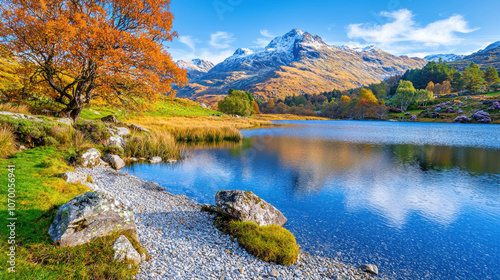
(7, 142)
(287, 117)
(14, 108)
(200, 128)
(156, 144)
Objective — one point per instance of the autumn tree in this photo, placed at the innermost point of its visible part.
(82, 50)
(270, 106)
(256, 109)
(430, 86)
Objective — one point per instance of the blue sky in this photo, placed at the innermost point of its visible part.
(214, 29)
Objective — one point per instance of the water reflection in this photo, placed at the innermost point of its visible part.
(416, 209)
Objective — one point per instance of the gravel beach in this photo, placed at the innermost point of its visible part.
(183, 243)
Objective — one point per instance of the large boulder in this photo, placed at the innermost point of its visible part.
(89, 216)
(91, 158)
(115, 161)
(125, 251)
(246, 206)
(482, 117)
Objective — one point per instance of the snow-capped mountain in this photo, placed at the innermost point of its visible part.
(296, 63)
(490, 56)
(445, 57)
(196, 67)
(493, 46)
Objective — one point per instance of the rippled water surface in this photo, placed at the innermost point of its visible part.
(418, 200)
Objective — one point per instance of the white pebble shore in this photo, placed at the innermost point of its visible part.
(183, 243)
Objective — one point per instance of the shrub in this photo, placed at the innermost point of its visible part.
(158, 143)
(114, 150)
(7, 142)
(96, 131)
(270, 243)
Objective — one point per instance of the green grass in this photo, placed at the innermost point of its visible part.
(39, 193)
(270, 243)
(165, 108)
(493, 94)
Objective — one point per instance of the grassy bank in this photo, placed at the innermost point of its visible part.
(39, 193)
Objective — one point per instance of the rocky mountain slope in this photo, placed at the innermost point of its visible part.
(490, 56)
(196, 67)
(298, 63)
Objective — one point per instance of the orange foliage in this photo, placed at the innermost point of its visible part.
(84, 49)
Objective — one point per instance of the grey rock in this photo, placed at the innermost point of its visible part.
(122, 131)
(155, 160)
(110, 119)
(124, 251)
(117, 141)
(91, 158)
(21, 116)
(152, 186)
(369, 268)
(139, 128)
(115, 161)
(438, 109)
(67, 121)
(89, 216)
(274, 273)
(75, 177)
(246, 206)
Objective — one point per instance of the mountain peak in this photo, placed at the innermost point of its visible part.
(491, 47)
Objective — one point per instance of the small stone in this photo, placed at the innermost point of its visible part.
(274, 273)
(155, 160)
(369, 268)
(66, 121)
(125, 251)
(110, 119)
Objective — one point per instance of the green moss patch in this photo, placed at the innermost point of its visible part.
(269, 243)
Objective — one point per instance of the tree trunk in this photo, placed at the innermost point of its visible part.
(75, 114)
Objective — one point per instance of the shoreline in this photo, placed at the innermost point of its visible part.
(184, 244)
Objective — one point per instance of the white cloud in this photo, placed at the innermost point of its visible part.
(221, 40)
(262, 42)
(189, 41)
(403, 28)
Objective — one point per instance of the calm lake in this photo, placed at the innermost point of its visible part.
(419, 200)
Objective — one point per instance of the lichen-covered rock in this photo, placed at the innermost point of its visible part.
(122, 131)
(125, 251)
(139, 128)
(155, 160)
(462, 119)
(115, 161)
(91, 158)
(110, 119)
(75, 177)
(369, 268)
(246, 206)
(117, 141)
(67, 121)
(21, 116)
(89, 216)
(482, 117)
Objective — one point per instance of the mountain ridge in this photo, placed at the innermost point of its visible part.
(296, 63)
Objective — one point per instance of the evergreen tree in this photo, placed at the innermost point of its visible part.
(473, 78)
(491, 77)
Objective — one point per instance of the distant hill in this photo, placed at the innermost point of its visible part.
(445, 57)
(490, 56)
(297, 63)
